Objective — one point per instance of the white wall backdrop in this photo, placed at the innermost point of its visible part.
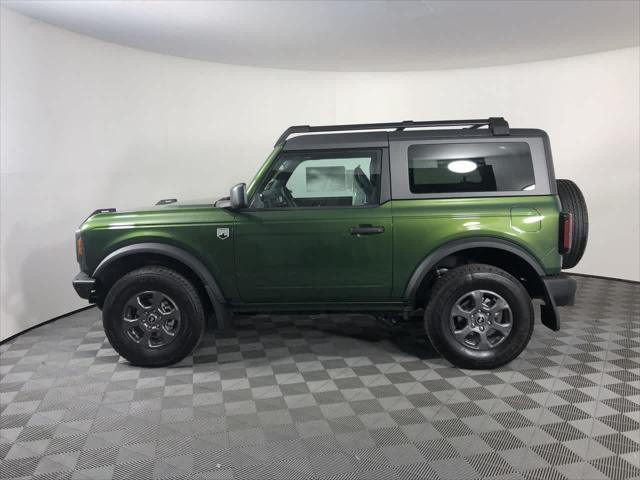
(87, 124)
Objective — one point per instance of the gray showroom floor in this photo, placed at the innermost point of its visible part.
(328, 397)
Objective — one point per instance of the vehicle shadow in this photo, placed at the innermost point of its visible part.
(359, 332)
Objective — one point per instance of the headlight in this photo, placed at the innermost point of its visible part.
(79, 247)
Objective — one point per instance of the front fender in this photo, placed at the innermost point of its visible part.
(211, 286)
(176, 253)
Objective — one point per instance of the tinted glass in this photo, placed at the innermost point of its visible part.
(322, 179)
(470, 167)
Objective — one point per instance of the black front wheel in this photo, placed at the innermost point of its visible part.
(153, 317)
(479, 316)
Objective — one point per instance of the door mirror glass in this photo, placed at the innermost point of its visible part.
(238, 196)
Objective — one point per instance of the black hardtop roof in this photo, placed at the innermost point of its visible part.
(362, 136)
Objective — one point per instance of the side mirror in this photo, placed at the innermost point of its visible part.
(238, 196)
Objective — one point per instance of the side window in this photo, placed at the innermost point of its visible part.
(470, 167)
(348, 178)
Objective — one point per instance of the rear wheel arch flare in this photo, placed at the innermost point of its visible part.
(500, 253)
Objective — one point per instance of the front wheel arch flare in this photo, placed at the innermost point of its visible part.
(211, 291)
(175, 253)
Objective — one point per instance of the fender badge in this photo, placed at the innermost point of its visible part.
(223, 233)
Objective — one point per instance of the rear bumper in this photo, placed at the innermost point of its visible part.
(561, 288)
(84, 285)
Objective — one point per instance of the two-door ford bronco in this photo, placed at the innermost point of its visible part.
(461, 222)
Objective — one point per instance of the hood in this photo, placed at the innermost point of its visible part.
(166, 213)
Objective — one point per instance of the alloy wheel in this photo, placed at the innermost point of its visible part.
(481, 320)
(151, 319)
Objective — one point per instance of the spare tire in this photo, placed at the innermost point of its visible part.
(572, 202)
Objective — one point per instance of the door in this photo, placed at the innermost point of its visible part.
(315, 231)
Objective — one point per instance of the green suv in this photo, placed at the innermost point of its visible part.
(459, 222)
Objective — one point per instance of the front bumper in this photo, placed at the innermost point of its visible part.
(561, 288)
(84, 285)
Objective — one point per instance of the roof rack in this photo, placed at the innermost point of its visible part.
(497, 126)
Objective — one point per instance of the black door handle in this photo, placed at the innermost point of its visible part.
(366, 230)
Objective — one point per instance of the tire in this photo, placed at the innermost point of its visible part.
(153, 317)
(573, 202)
(454, 288)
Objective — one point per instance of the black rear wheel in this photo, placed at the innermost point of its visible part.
(479, 316)
(574, 203)
(153, 317)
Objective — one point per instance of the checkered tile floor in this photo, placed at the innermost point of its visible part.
(328, 397)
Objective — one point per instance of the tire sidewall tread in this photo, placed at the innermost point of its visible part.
(572, 201)
(175, 286)
(450, 287)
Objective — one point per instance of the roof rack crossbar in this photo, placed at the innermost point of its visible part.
(497, 125)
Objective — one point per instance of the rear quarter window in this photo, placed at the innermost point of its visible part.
(470, 167)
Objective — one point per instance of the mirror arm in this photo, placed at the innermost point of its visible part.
(223, 203)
